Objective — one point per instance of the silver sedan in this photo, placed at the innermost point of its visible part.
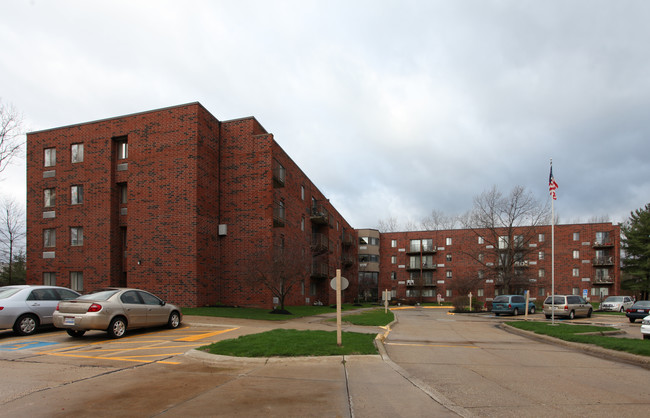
(24, 308)
(114, 310)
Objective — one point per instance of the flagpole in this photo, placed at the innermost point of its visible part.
(552, 255)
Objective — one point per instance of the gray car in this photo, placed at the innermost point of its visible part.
(568, 306)
(114, 310)
(616, 303)
(24, 308)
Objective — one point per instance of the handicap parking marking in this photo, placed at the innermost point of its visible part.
(202, 335)
(24, 345)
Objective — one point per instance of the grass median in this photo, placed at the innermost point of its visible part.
(586, 334)
(265, 314)
(294, 343)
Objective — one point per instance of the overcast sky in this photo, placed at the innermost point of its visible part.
(392, 108)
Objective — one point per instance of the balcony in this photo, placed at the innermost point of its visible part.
(423, 266)
(278, 214)
(604, 280)
(424, 249)
(319, 215)
(320, 270)
(348, 239)
(319, 243)
(347, 260)
(603, 243)
(279, 176)
(427, 282)
(521, 263)
(603, 261)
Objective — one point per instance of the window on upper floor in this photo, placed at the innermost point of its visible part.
(541, 237)
(49, 157)
(76, 195)
(49, 237)
(77, 153)
(576, 272)
(481, 240)
(448, 257)
(49, 197)
(576, 254)
(76, 236)
(393, 243)
(447, 241)
(122, 148)
(540, 255)
(123, 193)
(576, 236)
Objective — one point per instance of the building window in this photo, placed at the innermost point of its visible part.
(279, 213)
(393, 275)
(576, 254)
(481, 274)
(49, 198)
(481, 240)
(576, 272)
(575, 291)
(76, 195)
(77, 153)
(393, 243)
(123, 193)
(541, 273)
(448, 293)
(503, 242)
(540, 255)
(448, 273)
(49, 237)
(302, 192)
(480, 293)
(77, 280)
(50, 157)
(393, 259)
(302, 223)
(49, 278)
(76, 236)
(602, 237)
(481, 256)
(541, 237)
(576, 236)
(541, 292)
(448, 257)
(122, 148)
(447, 241)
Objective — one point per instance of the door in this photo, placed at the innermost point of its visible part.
(157, 311)
(134, 309)
(43, 302)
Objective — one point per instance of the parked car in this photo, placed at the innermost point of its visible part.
(645, 328)
(616, 304)
(511, 305)
(639, 310)
(114, 310)
(568, 306)
(24, 308)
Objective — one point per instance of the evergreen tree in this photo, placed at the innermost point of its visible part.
(636, 246)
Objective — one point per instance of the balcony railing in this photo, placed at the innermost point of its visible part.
(604, 280)
(348, 239)
(278, 214)
(279, 176)
(422, 249)
(423, 266)
(603, 261)
(320, 270)
(319, 215)
(603, 243)
(521, 263)
(319, 243)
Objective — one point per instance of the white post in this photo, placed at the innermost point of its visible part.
(386, 302)
(338, 307)
(552, 257)
(527, 299)
(470, 301)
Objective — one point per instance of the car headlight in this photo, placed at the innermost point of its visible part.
(645, 321)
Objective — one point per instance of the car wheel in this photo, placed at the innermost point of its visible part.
(572, 314)
(497, 314)
(589, 313)
(515, 312)
(532, 310)
(646, 336)
(26, 324)
(548, 316)
(622, 309)
(75, 333)
(174, 320)
(632, 320)
(117, 328)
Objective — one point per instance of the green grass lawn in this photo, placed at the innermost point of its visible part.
(575, 333)
(264, 314)
(293, 343)
(373, 317)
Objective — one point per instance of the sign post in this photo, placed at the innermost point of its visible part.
(338, 283)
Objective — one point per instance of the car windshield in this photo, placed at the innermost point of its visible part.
(499, 299)
(642, 304)
(99, 295)
(8, 291)
(614, 299)
(559, 300)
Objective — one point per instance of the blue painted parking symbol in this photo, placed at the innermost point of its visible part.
(23, 345)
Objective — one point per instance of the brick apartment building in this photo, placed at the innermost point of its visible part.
(422, 265)
(179, 203)
(196, 210)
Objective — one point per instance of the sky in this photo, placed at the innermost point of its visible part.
(394, 109)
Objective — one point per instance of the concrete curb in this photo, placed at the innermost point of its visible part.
(637, 360)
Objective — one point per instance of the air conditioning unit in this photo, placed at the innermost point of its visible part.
(410, 282)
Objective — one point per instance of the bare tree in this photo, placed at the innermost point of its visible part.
(12, 232)
(11, 143)
(287, 268)
(506, 225)
(439, 221)
(389, 224)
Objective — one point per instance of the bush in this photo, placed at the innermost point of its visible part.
(461, 304)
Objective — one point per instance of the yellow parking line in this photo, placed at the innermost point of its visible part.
(203, 336)
(115, 358)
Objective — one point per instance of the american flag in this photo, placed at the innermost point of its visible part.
(552, 185)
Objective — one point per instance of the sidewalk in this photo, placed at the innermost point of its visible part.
(335, 386)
